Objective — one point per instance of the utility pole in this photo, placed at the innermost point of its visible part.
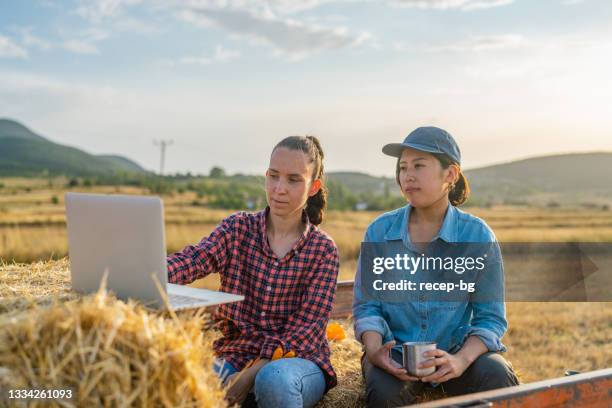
(162, 144)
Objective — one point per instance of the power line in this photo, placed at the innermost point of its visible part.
(162, 144)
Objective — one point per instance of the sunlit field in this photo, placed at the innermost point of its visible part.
(544, 339)
(32, 222)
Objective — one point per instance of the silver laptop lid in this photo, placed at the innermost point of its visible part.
(121, 234)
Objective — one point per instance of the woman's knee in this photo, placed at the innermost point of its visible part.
(494, 371)
(386, 395)
(384, 390)
(281, 383)
(272, 379)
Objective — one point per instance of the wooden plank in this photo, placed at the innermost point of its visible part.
(590, 389)
(343, 305)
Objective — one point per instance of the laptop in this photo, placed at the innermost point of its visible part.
(123, 236)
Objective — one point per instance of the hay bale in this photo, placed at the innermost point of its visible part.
(22, 286)
(110, 353)
(345, 358)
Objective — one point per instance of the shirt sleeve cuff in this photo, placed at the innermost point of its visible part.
(488, 337)
(373, 323)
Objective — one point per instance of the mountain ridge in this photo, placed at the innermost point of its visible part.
(24, 152)
(567, 177)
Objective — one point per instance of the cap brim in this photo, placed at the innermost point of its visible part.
(395, 149)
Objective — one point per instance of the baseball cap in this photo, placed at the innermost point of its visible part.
(429, 139)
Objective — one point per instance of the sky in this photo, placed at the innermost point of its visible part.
(225, 80)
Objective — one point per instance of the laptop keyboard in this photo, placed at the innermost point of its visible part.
(180, 300)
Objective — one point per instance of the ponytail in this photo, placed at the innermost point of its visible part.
(310, 145)
(316, 205)
(460, 191)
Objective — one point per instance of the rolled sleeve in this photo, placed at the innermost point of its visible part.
(490, 324)
(373, 323)
(489, 338)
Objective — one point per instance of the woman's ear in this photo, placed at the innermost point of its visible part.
(453, 174)
(314, 187)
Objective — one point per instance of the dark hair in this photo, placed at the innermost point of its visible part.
(460, 191)
(310, 145)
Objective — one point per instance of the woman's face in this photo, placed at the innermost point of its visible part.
(288, 181)
(422, 179)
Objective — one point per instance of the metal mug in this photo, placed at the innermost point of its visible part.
(412, 356)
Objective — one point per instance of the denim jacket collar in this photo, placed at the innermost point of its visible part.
(447, 232)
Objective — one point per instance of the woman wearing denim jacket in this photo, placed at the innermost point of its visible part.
(468, 334)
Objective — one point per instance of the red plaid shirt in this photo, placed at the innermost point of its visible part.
(288, 301)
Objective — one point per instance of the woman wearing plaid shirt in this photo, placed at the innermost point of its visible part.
(286, 268)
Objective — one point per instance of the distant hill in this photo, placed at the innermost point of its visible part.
(23, 153)
(359, 182)
(124, 163)
(12, 129)
(577, 178)
(565, 178)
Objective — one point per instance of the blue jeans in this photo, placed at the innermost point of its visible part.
(288, 382)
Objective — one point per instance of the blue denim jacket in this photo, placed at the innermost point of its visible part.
(447, 323)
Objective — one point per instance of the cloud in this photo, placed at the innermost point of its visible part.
(97, 10)
(85, 42)
(451, 4)
(293, 6)
(47, 4)
(221, 54)
(29, 40)
(473, 44)
(287, 37)
(8, 49)
(264, 22)
(547, 58)
(115, 13)
(483, 43)
(80, 47)
(129, 24)
(42, 96)
(82, 42)
(27, 85)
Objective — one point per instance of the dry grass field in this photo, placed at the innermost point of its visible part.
(544, 339)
